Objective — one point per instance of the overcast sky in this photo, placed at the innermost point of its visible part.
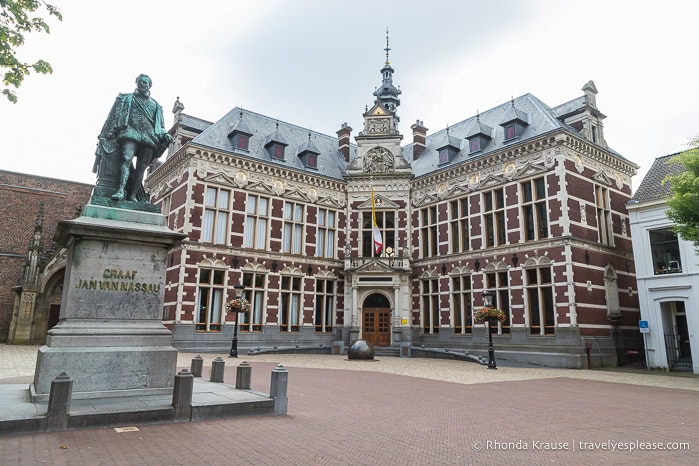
(316, 63)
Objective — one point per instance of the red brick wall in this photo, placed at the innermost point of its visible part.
(20, 197)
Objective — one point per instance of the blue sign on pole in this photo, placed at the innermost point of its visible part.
(643, 326)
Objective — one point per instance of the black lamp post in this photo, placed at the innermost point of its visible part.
(488, 303)
(234, 343)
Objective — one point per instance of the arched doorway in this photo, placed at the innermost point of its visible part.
(376, 328)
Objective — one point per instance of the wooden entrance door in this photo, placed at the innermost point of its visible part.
(377, 326)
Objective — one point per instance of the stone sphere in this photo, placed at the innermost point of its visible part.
(360, 349)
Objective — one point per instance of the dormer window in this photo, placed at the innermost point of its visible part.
(278, 152)
(308, 153)
(312, 160)
(448, 151)
(474, 145)
(276, 144)
(309, 159)
(514, 123)
(240, 135)
(478, 136)
(443, 156)
(241, 141)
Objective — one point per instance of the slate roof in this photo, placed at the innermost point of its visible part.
(569, 107)
(652, 187)
(195, 123)
(539, 115)
(331, 162)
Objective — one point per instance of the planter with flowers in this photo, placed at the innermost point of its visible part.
(488, 313)
(238, 305)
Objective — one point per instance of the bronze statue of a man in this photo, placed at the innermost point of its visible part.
(134, 128)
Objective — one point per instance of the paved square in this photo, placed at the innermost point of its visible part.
(408, 411)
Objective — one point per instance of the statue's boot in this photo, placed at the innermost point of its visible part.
(119, 194)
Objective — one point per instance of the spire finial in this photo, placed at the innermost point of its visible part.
(387, 47)
(478, 116)
(241, 111)
(277, 123)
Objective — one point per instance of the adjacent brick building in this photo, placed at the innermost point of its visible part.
(31, 277)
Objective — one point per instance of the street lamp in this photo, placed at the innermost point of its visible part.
(234, 343)
(488, 303)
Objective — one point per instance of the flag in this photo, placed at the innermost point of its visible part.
(376, 233)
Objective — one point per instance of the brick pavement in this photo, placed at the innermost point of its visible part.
(363, 414)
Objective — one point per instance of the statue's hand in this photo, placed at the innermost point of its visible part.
(166, 137)
(110, 135)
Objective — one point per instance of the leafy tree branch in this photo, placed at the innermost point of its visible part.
(684, 204)
(18, 18)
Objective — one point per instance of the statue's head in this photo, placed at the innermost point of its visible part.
(144, 77)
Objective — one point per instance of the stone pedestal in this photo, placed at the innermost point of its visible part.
(110, 339)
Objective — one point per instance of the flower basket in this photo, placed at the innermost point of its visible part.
(238, 305)
(488, 313)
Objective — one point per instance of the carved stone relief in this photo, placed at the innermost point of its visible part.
(380, 125)
(378, 160)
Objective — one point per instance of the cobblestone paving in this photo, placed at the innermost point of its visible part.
(403, 411)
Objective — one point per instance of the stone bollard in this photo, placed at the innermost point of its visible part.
(182, 395)
(278, 389)
(197, 366)
(242, 376)
(218, 365)
(59, 403)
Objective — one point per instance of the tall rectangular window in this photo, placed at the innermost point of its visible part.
(604, 216)
(290, 310)
(215, 222)
(292, 241)
(534, 211)
(326, 233)
(430, 305)
(459, 226)
(494, 218)
(256, 218)
(540, 304)
(210, 296)
(386, 221)
(255, 286)
(461, 301)
(498, 282)
(428, 231)
(665, 251)
(325, 305)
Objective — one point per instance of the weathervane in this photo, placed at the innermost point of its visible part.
(387, 48)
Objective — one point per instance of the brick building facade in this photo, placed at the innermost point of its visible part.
(31, 276)
(523, 199)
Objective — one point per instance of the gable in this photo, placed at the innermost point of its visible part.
(297, 195)
(378, 199)
(375, 266)
(602, 178)
(219, 178)
(329, 202)
(260, 188)
(377, 110)
(530, 169)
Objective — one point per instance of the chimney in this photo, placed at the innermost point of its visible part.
(419, 136)
(343, 140)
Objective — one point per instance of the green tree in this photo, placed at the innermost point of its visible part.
(684, 204)
(17, 19)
